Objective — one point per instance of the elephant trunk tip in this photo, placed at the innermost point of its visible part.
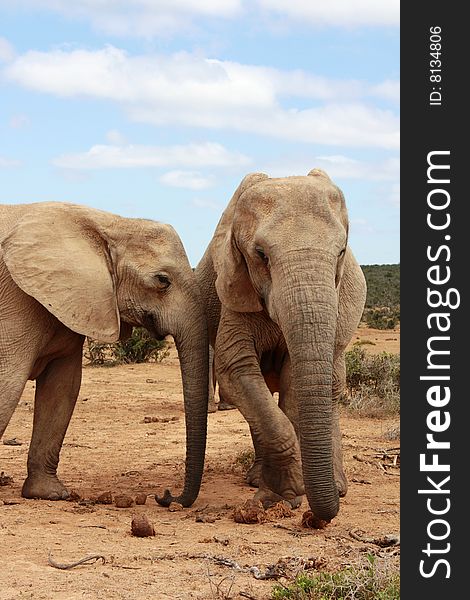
(318, 515)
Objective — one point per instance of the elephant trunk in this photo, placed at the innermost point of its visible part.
(193, 350)
(308, 314)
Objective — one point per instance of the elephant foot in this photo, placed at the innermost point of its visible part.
(254, 473)
(225, 406)
(278, 483)
(211, 407)
(45, 487)
(269, 498)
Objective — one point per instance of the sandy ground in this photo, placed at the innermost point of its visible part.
(198, 552)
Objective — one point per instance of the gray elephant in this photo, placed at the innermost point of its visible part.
(284, 297)
(66, 272)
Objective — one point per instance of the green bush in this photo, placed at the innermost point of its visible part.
(382, 310)
(140, 347)
(383, 285)
(384, 317)
(373, 381)
(369, 581)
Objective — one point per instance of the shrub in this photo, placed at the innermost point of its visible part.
(373, 381)
(243, 461)
(382, 310)
(140, 347)
(368, 581)
(98, 354)
(383, 317)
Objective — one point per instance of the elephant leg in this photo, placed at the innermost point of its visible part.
(56, 393)
(254, 472)
(287, 400)
(339, 386)
(242, 384)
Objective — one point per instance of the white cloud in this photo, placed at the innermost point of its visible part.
(8, 163)
(336, 12)
(191, 180)
(190, 90)
(207, 154)
(164, 18)
(141, 18)
(389, 90)
(115, 137)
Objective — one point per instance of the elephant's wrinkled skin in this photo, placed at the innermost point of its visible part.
(66, 272)
(284, 296)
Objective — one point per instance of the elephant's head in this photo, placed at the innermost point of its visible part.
(280, 247)
(100, 274)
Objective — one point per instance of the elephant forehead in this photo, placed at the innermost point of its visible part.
(148, 238)
(311, 195)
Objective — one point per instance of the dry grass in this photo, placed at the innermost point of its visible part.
(372, 579)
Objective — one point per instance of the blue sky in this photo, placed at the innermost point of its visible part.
(158, 108)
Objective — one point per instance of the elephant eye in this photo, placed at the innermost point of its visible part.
(261, 254)
(163, 280)
(342, 253)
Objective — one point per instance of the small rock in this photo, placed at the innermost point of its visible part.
(221, 540)
(105, 498)
(12, 442)
(205, 519)
(175, 506)
(141, 526)
(123, 501)
(5, 479)
(141, 498)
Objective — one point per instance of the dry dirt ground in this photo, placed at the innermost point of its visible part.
(198, 552)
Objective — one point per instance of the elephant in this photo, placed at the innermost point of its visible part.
(284, 295)
(68, 271)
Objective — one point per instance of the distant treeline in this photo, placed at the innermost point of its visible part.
(383, 296)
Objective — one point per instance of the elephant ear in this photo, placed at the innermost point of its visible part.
(233, 283)
(57, 255)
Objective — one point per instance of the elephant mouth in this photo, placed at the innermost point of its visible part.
(150, 324)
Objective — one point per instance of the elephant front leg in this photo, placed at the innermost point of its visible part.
(254, 472)
(242, 384)
(56, 393)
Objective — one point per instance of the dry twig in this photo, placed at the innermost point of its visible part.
(383, 542)
(87, 559)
